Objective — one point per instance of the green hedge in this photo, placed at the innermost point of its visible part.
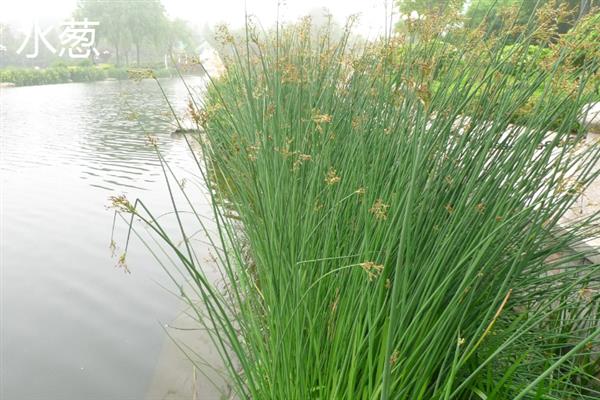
(64, 74)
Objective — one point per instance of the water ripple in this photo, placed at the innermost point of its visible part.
(81, 326)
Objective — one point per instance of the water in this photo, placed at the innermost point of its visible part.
(73, 325)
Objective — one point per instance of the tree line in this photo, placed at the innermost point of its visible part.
(137, 26)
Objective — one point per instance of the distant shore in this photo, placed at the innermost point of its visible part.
(12, 76)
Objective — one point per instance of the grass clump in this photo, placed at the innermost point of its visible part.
(384, 231)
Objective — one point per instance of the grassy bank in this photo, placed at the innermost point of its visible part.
(64, 74)
(384, 231)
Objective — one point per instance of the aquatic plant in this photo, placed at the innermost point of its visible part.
(383, 230)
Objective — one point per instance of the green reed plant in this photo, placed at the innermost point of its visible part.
(384, 232)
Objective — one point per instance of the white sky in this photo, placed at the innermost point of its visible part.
(200, 12)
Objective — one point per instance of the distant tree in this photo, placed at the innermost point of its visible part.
(140, 25)
(112, 17)
(177, 34)
(10, 41)
(145, 18)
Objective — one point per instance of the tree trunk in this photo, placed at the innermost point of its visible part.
(137, 54)
(118, 56)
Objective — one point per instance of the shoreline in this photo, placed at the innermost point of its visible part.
(19, 77)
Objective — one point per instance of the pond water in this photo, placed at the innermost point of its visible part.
(73, 324)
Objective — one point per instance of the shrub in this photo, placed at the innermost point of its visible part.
(60, 73)
(533, 56)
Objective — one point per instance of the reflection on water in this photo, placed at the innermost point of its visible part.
(73, 325)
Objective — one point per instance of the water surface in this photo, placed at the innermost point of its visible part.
(73, 324)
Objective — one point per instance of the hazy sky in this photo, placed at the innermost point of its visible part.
(200, 12)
